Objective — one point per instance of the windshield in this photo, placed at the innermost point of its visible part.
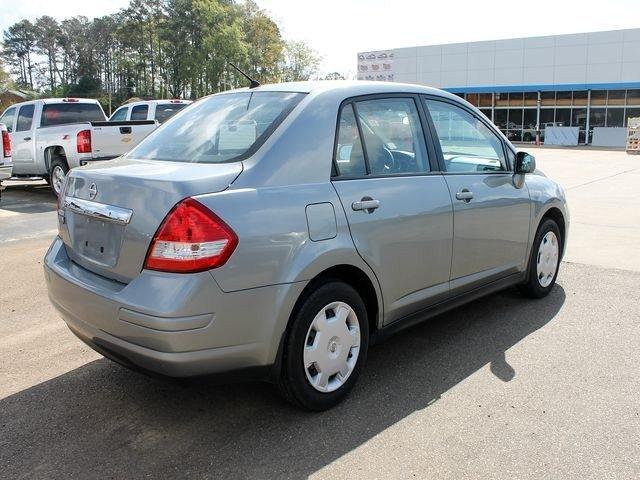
(62, 113)
(218, 129)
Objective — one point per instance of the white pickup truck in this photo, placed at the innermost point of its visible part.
(6, 165)
(50, 136)
(159, 110)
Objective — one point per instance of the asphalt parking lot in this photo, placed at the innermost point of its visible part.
(501, 388)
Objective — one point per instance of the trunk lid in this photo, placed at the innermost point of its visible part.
(113, 209)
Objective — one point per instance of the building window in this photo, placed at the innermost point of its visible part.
(615, 117)
(546, 116)
(563, 98)
(486, 100)
(599, 97)
(563, 117)
(580, 97)
(486, 112)
(531, 99)
(516, 99)
(616, 97)
(633, 97)
(502, 99)
(548, 98)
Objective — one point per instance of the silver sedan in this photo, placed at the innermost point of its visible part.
(276, 232)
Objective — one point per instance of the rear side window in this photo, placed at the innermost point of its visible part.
(64, 113)
(468, 145)
(7, 118)
(349, 154)
(25, 118)
(119, 115)
(165, 111)
(139, 112)
(221, 128)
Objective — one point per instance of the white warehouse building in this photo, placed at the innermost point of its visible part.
(588, 81)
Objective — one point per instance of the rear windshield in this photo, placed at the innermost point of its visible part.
(61, 113)
(167, 110)
(218, 129)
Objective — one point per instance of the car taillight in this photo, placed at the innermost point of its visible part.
(84, 141)
(190, 239)
(6, 144)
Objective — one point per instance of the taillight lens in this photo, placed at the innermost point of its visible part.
(6, 144)
(191, 239)
(84, 141)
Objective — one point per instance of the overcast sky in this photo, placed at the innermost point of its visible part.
(338, 29)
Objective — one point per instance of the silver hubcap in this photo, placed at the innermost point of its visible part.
(547, 259)
(331, 347)
(57, 177)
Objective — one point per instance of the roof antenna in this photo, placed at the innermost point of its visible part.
(253, 83)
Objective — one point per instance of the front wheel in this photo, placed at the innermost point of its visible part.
(325, 348)
(544, 262)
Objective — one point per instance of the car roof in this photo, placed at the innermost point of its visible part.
(350, 88)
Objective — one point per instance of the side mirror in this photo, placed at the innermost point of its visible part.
(525, 163)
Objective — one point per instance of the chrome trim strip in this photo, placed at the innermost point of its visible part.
(102, 211)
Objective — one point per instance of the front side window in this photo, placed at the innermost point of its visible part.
(468, 145)
(65, 113)
(7, 118)
(221, 128)
(139, 112)
(25, 118)
(119, 115)
(393, 136)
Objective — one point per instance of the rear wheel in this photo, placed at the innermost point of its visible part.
(57, 175)
(545, 260)
(325, 348)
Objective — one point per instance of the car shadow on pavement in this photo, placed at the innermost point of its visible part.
(103, 421)
(28, 197)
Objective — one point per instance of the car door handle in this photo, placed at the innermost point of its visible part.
(464, 195)
(367, 204)
(26, 138)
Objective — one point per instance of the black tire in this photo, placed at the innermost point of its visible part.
(527, 137)
(55, 164)
(532, 287)
(293, 383)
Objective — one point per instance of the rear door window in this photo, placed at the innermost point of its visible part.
(65, 113)
(139, 112)
(393, 136)
(165, 111)
(25, 118)
(8, 117)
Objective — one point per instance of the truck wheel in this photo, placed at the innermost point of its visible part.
(325, 347)
(58, 172)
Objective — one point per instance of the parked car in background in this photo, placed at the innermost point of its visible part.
(51, 136)
(278, 231)
(6, 163)
(159, 110)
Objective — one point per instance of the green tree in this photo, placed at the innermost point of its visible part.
(19, 46)
(334, 76)
(300, 62)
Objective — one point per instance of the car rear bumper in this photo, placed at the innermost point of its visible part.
(172, 324)
(5, 172)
